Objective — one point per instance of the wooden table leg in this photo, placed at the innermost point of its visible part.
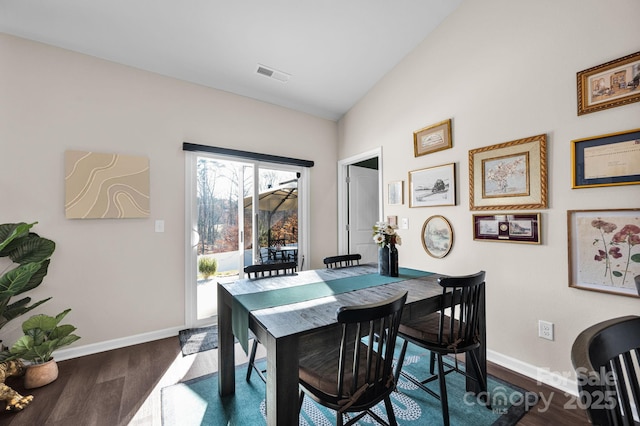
(481, 352)
(282, 381)
(226, 355)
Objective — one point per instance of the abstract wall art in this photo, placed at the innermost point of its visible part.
(101, 186)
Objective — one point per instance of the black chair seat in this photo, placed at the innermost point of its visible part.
(425, 332)
(318, 375)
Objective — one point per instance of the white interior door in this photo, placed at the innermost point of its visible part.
(363, 211)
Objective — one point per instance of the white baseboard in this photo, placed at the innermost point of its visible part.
(540, 375)
(75, 352)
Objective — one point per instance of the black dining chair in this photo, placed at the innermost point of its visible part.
(452, 330)
(265, 270)
(350, 369)
(342, 261)
(605, 357)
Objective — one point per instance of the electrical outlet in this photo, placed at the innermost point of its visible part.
(545, 330)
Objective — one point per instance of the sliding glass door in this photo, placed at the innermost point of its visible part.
(240, 212)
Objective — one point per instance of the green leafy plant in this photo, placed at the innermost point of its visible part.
(42, 336)
(207, 266)
(29, 263)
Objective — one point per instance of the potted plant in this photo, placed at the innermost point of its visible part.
(42, 336)
(24, 262)
(29, 262)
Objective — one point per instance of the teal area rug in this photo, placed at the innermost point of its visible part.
(196, 402)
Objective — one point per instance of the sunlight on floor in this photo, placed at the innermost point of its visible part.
(183, 368)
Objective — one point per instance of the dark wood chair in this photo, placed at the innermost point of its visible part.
(269, 269)
(342, 261)
(263, 271)
(350, 369)
(606, 357)
(452, 330)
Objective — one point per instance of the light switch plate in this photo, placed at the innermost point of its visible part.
(159, 225)
(404, 223)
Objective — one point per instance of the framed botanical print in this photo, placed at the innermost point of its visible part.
(604, 250)
(509, 176)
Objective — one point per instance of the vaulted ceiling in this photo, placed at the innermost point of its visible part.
(322, 56)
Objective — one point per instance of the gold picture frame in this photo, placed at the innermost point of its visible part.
(606, 160)
(432, 138)
(603, 254)
(609, 85)
(509, 176)
(437, 236)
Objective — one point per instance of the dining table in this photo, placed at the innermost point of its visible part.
(283, 253)
(282, 310)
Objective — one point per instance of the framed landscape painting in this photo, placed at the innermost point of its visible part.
(437, 236)
(434, 186)
(604, 250)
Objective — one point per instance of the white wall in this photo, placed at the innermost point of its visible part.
(119, 277)
(505, 70)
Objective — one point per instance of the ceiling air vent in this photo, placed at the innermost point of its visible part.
(272, 73)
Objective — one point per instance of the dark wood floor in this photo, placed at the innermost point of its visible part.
(122, 387)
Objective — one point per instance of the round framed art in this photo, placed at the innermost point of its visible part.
(437, 236)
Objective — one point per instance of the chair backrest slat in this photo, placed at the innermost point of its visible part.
(369, 331)
(606, 357)
(270, 269)
(342, 261)
(463, 315)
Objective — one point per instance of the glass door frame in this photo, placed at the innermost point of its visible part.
(191, 222)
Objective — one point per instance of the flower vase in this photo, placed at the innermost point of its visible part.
(393, 261)
(383, 260)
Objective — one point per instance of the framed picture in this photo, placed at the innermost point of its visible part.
(392, 221)
(606, 160)
(609, 85)
(509, 176)
(432, 138)
(604, 250)
(515, 228)
(437, 236)
(434, 186)
(396, 193)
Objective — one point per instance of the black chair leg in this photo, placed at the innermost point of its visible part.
(252, 359)
(403, 351)
(443, 391)
(390, 414)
